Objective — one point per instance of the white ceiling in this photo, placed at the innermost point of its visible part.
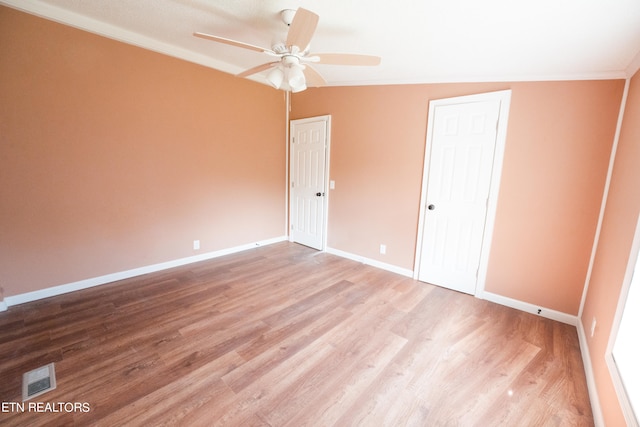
(420, 41)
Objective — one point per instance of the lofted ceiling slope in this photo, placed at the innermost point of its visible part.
(420, 41)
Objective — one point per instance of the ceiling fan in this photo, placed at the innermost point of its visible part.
(291, 68)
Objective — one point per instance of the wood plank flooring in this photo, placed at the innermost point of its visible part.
(283, 335)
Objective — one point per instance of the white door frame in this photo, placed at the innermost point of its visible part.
(504, 96)
(292, 123)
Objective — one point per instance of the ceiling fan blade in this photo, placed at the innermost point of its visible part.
(313, 78)
(302, 28)
(232, 42)
(344, 59)
(257, 69)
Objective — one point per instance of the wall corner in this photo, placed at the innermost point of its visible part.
(596, 409)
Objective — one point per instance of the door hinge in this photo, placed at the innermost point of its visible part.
(293, 184)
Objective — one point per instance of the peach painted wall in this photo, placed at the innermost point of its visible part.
(558, 148)
(557, 153)
(612, 255)
(114, 157)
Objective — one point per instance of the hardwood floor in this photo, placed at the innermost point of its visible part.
(286, 336)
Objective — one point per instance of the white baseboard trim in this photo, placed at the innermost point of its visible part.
(509, 302)
(113, 277)
(596, 409)
(498, 299)
(582, 339)
(530, 308)
(371, 262)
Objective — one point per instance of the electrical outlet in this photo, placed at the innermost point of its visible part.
(383, 249)
(196, 245)
(593, 327)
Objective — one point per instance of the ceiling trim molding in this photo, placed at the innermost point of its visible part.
(613, 75)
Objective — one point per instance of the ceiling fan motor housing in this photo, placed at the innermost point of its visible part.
(287, 16)
(290, 60)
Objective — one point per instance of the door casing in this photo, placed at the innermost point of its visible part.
(327, 120)
(504, 98)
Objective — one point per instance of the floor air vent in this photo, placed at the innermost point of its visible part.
(38, 381)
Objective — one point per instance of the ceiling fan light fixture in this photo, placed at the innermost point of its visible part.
(298, 88)
(295, 78)
(275, 77)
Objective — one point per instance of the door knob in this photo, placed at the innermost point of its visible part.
(319, 194)
(431, 207)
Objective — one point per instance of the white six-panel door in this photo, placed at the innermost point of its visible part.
(458, 174)
(308, 181)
